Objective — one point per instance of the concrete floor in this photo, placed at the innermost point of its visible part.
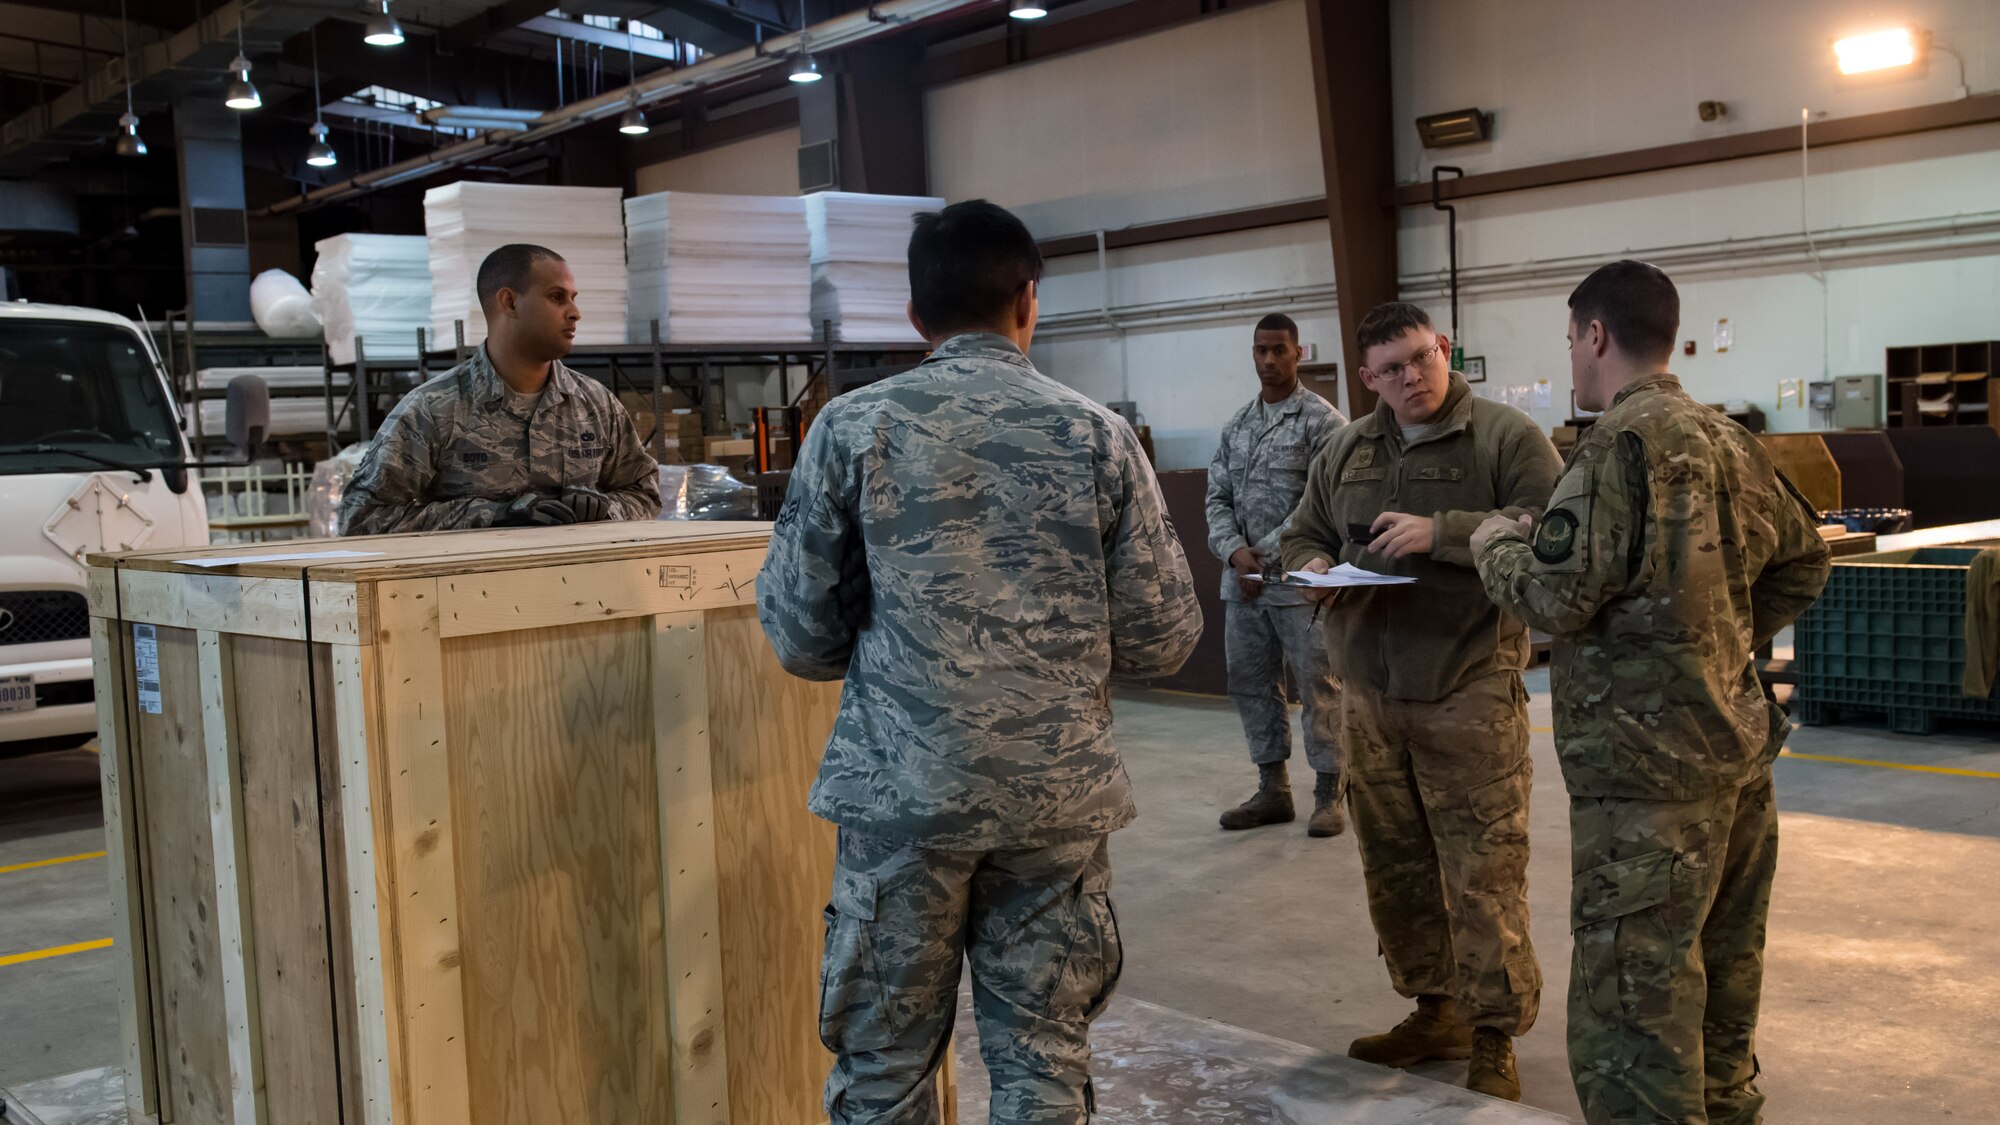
(1883, 995)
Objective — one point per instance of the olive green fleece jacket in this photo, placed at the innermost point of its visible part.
(1424, 641)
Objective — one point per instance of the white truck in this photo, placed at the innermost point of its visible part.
(92, 458)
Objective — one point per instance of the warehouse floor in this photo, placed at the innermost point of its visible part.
(1882, 1004)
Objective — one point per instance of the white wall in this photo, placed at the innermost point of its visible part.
(1207, 116)
(766, 164)
(1217, 114)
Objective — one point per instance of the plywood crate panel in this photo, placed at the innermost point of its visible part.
(504, 827)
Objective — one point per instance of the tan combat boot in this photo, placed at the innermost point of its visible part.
(1271, 804)
(1492, 1070)
(1431, 1032)
(1326, 819)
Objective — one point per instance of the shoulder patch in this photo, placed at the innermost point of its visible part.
(1555, 536)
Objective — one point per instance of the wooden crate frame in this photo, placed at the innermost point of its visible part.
(377, 634)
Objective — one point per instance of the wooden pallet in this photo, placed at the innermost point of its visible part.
(497, 827)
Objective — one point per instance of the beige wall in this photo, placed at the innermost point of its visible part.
(766, 164)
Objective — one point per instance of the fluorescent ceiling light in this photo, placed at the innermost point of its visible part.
(479, 117)
(1877, 50)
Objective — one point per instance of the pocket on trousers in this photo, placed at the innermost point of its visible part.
(1624, 946)
(854, 1010)
(1096, 955)
(1503, 796)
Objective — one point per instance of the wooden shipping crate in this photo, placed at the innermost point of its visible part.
(504, 827)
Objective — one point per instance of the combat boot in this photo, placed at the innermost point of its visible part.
(1271, 804)
(1433, 1031)
(1326, 819)
(1492, 1071)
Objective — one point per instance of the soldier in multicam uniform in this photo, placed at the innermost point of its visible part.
(1254, 483)
(1672, 550)
(977, 549)
(1434, 715)
(510, 437)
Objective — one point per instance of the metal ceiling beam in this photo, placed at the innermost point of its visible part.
(500, 18)
(99, 9)
(190, 59)
(602, 37)
(828, 36)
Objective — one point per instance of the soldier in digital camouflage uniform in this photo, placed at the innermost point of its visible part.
(1255, 481)
(976, 549)
(1434, 715)
(510, 437)
(1671, 550)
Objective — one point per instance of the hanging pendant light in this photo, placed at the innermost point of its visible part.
(1027, 9)
(129, 142)
(804, 68)
(383, 30)
(319, 154)
(633, 123)
(242, 95)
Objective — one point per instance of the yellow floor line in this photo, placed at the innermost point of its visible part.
(1948, 770)
(57, 951)
(51, 862)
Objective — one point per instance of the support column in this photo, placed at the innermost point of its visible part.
(215, 237)
(1350, 56)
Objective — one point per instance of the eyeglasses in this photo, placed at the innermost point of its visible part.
(1417, 359)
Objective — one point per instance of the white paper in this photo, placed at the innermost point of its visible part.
(1346, 574)
(237, 560)
(146, 658)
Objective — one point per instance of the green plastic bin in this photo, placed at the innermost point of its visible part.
(1888, 638)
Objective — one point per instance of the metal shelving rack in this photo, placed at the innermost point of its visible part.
(652, 367)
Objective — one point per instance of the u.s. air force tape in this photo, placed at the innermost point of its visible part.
(1555, 539)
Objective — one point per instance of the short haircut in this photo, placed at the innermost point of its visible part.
(1387, 322)
(508, 268)
(968, 263)
(1636, 302)
(1279, 322)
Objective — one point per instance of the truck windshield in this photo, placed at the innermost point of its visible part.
(74, 385)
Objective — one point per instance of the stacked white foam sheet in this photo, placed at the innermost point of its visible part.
(717, 269)
(289, 415)
(465, 222)
(377, 287)
(860, 262)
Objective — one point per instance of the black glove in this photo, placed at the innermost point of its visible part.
(589, 505)
(531, 509)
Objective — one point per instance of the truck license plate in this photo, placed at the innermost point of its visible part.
(17, 693)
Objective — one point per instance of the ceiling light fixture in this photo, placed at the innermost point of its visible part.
(1459, 127)
(383, 30)
(1027, 9)
(804, 68)
(1877, 50)
(633, 123)
(319, 154)
(242, 95)
(129, 142)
